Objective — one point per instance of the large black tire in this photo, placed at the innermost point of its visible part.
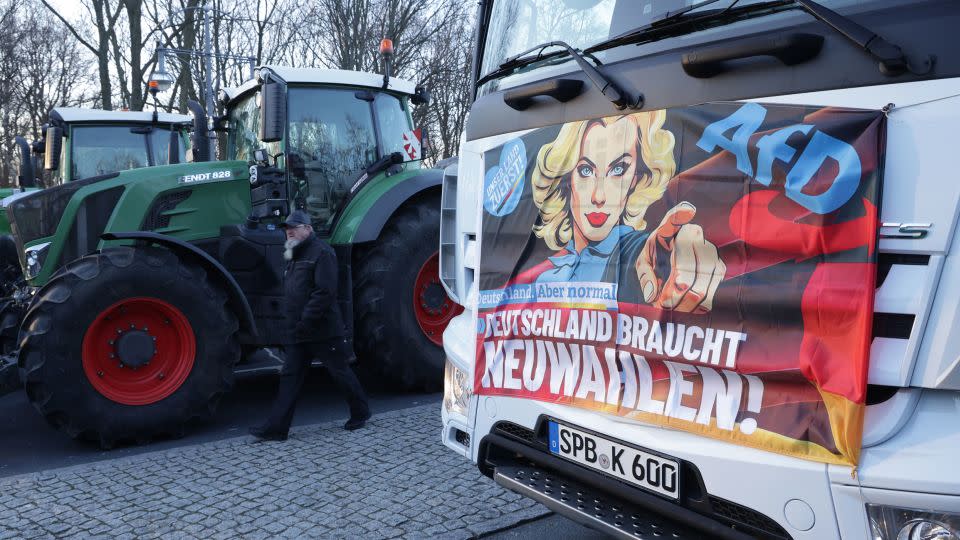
(389, 342)
(11, 313)
(52, 363)
(10, 272)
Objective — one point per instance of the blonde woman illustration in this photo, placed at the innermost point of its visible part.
(593, 185)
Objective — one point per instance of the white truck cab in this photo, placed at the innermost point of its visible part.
(526, 206)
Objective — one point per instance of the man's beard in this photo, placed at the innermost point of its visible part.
(288, 247)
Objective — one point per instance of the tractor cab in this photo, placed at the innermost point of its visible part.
(328, 132)
(82, 143)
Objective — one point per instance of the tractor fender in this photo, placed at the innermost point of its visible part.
(238, 300)
(388, 203)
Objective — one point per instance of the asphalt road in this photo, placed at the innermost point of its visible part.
(28, 444)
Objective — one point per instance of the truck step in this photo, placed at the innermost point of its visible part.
(589, 506)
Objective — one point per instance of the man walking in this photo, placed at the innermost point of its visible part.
(310, 294)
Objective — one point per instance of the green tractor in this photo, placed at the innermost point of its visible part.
(150, 287)
(98, 142)
(79, 144)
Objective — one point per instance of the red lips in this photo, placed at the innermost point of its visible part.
(597, 219)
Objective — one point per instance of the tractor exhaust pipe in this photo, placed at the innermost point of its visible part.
(199, 139)
(173, 149)
(26, 177)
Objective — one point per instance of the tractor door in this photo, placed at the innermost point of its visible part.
(331, 140)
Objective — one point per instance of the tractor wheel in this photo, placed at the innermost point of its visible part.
(127, 345)
(10, 271)
(400, 307)
(11, 312)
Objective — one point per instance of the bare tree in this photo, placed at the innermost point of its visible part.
(431, 40)
(103, 15)
(445, 68)
(42, 66)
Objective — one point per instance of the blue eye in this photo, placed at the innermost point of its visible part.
(618, 169)
(585, 171)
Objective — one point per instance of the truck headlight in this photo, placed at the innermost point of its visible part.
(894, 523)
(457, 389)
(35, 256)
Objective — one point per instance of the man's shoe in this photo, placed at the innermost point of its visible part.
(266, 435)
(357, 423)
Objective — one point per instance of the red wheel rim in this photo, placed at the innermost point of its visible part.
(125, 331)
(431, 305)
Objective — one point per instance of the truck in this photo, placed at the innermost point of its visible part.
(708, 259)
(150, 287)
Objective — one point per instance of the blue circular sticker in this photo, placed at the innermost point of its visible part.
(503, 183)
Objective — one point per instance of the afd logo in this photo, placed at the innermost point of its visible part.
(772, 147)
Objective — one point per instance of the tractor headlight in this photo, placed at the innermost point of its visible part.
(894, 523)
(35, 256)
(457, 390)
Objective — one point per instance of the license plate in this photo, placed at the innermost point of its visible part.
(635, 466)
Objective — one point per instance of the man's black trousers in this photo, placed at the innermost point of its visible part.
(335, 358)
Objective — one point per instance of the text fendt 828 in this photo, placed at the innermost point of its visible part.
(709, 260)
(153, 284)
(81, 143)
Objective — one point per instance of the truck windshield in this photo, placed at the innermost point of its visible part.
(97, 150)
(515, 26)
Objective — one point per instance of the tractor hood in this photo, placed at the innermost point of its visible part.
(35, 215)
(54, 226)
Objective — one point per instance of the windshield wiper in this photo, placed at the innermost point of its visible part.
(682, 22)
(607, 87)
(891, 58)
(669, 16)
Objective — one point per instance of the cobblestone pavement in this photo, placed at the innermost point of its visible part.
(391, 479)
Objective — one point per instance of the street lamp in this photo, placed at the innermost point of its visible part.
(161, 76)
(165, 80)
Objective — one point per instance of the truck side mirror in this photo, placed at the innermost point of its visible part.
(51, 159)
(25, 177)
(273, 112)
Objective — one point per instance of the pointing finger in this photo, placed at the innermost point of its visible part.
(674, 220)
(684, 278)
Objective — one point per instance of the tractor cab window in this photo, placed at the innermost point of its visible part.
(97, 150)
(331, 140)
(394, 123)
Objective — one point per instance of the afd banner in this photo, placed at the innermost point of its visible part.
(709, 269)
